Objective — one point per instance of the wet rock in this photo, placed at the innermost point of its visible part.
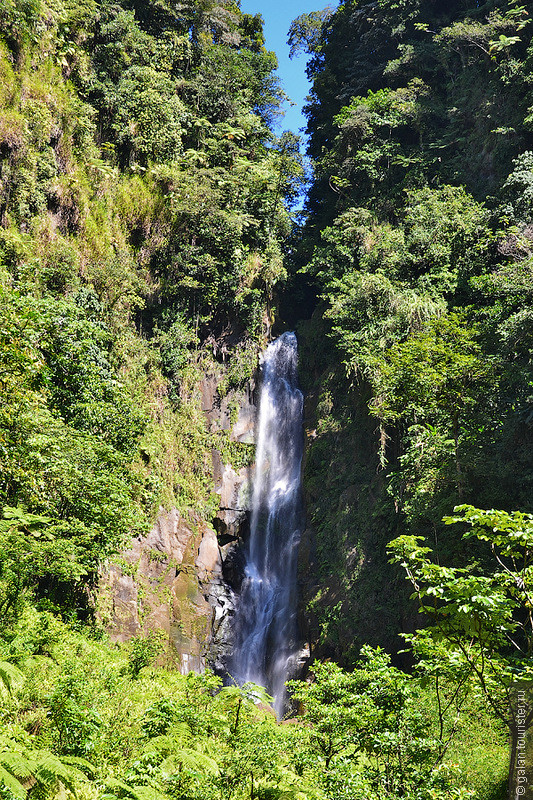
(233, 566)
(234, 489)
(163, 583)
(123, 597)
(208, 562)
(208, 389)
(175, 580)
(234, 412)
(244, 428)
(221, 637)
(182, 576)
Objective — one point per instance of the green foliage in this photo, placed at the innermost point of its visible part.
(367, 732)
(417, 243)
(20, 533)
(164, 735)
(74, 723)
(21, 765)
(305, 31)
(83, 384)
(376, 125)
(158, 735)
(139, 180)
(241, 368)
(143, 651)
(433, 385)
(150, 118)
(76, 480)
(483, 615)
(174, 346)
(369, 155)
(10, 676)
(144, 212)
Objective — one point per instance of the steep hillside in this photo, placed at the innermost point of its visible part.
(418, 246)
(143, 206)
(147, 249)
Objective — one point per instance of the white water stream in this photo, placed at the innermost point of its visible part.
(265, 621)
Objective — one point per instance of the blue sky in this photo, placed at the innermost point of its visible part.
(278, 15)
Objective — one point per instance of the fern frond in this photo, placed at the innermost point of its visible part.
(50, 770)
(230, 692)
(249, 691)
(192, 759)
(115, 783)
(136, 792)
(256, 694)
(147, 793)
(10, 782)
(10, 676)
(17, 764)
(75, 761)
(167, 742)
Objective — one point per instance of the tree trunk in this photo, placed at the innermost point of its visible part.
(458, 470)
(237, 716)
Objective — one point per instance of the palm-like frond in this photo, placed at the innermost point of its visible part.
(120, 788)
(10, 676)
(147, 793)
(192, 759)
(75, 761)
(8, 781)
(166, 743)
(15, 767)
(20, 766)
(251, 692)
(50, 769)
(17, 764)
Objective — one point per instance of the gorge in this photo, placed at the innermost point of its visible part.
(152, 252)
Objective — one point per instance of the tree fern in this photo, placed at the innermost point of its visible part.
(8, 781)
(171, 746)
(17, 764)
(191, 759)
(168, 742)
(20, 768)
(10, 676)
(50, 770)
(84, 766)
(251, 692)
(147, 793)
(15, 767)
(121, 789)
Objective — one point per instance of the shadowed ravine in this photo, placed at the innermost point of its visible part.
(265, 622)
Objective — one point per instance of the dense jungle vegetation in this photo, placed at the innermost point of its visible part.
(143, 209)
(147, 239)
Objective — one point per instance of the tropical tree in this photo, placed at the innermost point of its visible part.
(367, 733)
(483, 611)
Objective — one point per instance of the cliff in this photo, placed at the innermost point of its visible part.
(181, 577)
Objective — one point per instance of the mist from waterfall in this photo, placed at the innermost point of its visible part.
(265, 621)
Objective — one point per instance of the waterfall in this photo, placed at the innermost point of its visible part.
(265, 620)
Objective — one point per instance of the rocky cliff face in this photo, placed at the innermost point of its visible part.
(350, 593)
(182, 576)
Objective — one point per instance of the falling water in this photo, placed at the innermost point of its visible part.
(265, 622)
